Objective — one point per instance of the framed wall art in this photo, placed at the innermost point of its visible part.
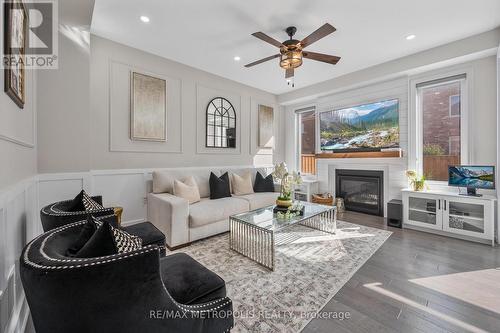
(148, 114)
(15, 31)
(266, 126)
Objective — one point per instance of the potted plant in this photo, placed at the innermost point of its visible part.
(287, 181)
(416, 182)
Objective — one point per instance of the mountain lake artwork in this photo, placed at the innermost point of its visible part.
(365, 127)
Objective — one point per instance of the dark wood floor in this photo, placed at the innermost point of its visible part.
(396, 304)
(380, 297)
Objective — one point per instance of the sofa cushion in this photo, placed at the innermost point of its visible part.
(76, 205)
(259, 200)
(243, 170)
(86, 233)
(163, 180)
(219, 186)
(89, 203)
(263, 184)
(102, 243)
(189, 282)
(208, 211)
(241, 185)
(187, 189)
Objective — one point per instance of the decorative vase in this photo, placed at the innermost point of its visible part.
(339, 202)
(418, 185)
(284, 203)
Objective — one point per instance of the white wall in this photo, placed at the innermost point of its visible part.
(19, 206)
(445, 55)
(17, 196)
(481, 124)
(187, 93)
(63, 107)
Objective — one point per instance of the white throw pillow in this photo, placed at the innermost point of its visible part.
(187, 189)
(242, 185)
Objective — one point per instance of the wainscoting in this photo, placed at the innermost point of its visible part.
(125, 188)
(19, 223)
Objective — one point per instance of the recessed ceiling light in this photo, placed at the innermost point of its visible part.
(145, 19)
(237, 58)
(410, 37)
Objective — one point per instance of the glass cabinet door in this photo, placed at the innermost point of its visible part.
(465, 218)
(424, 212)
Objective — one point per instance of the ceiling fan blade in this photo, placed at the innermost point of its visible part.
(289, 73)
(266, 38)
(321, 57)
(321, 32)
(262, 60)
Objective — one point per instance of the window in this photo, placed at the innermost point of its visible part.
(221, 124)
(306, 119)
(454, 105)
(440, 111)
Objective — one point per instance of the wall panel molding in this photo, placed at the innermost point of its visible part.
(30, 106)
(203, 96)
(19, 224)
(119, 111)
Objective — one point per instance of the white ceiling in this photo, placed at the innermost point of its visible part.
(207, 34)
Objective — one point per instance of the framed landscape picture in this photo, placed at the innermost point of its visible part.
(266, 126)
(366, 127)
(148, 114)
(15, 29)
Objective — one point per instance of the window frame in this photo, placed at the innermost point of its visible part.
(298, 132)
(415, 117)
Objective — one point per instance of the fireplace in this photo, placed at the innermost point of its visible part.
(362, 190)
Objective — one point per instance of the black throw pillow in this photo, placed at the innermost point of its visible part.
(85, 234)
(76, 204)
(219, 186)
(102, 243)
(263, 184)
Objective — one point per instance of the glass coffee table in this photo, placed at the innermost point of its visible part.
(252, 233)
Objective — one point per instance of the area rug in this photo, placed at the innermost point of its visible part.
(311, 267)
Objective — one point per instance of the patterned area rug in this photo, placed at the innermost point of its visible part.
(311, 267)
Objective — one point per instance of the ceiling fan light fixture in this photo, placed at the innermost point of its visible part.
(291, 59)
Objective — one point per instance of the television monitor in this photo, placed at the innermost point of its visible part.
(366, 127)
(472, 177)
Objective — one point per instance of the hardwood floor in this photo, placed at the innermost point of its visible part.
(418, 282)
(381, 296)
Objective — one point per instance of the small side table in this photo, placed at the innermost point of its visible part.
(305, 190)
(118, 213)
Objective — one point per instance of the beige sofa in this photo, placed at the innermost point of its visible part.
(182, 222)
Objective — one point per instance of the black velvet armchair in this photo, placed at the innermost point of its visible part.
(131, 292)
(57, 214)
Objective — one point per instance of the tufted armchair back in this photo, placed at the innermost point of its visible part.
(118, 293)
(57, 214)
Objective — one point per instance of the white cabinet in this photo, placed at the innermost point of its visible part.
(451, 214)
(305, 190)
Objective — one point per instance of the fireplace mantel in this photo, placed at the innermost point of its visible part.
(367, 154)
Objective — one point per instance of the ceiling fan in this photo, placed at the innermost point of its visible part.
(292, 50)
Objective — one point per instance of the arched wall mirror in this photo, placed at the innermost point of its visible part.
(221, 124)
